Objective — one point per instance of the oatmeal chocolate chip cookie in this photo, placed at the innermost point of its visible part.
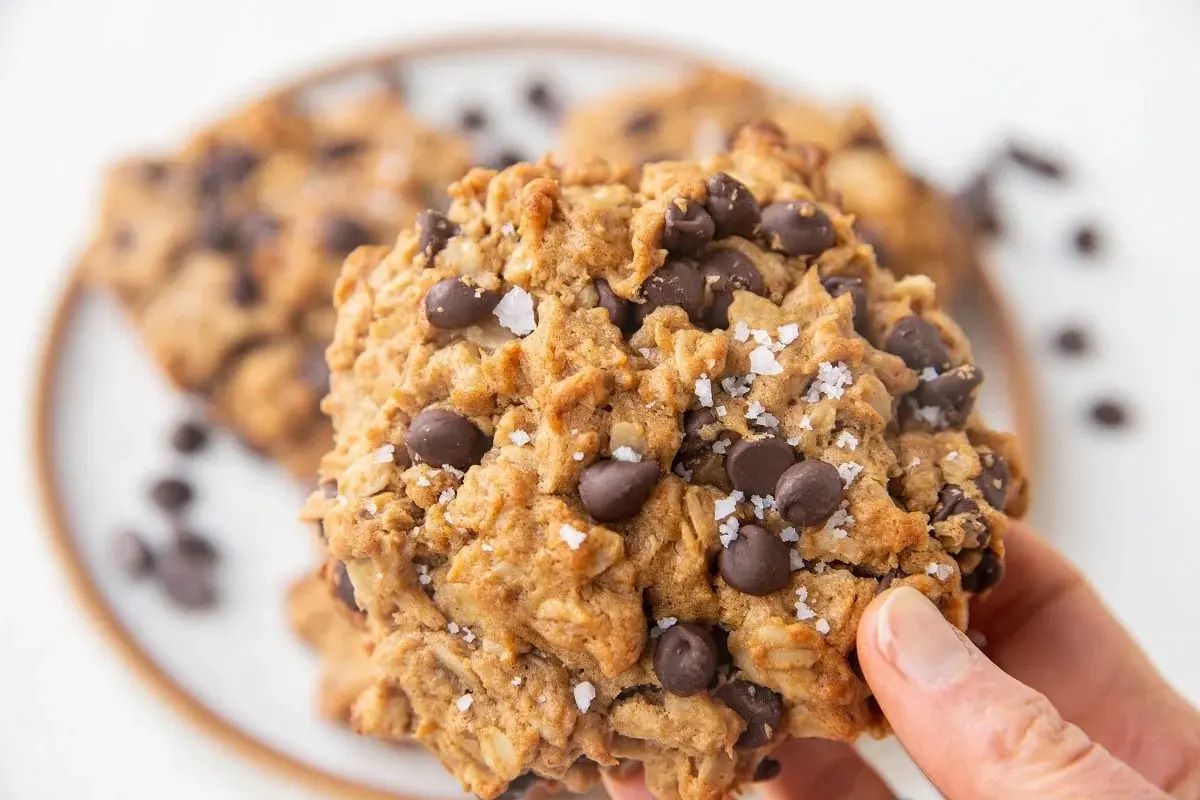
(225, 253)
(599, 523)
(325, 617)
(909, 223)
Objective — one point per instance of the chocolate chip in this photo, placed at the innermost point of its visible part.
(454, 303)
(614, 490)
(171, 494)
(338, 149)
(919, 343)
(685, 659)
(838, 285)
(340, 235)
(675, 283)
(952, 502)
(225, 166)
(726, 271)
(132, 554)
(216, 230)
(472, 118)
(797, 228)
(1071, 341)
(642, 122)
(434, 230)
(756, 562)
(694, 447)
(809, 492)
(994, 480)
(343, 587)
(869, 234)
(195, 545)
(189, 437)
(758, 706)
(506, 158)
(438, 436)
(618, 307)
(687, 227)
(754, 465)
(1086, 240)
(987, 573)
(952, 392)
(244, 291)
(1035, 162)
(1109, 413)
(767, 770)
(186, 580)
(541, 97)
(732, 206)
(977, 204)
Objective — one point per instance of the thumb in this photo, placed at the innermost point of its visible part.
(973, 730)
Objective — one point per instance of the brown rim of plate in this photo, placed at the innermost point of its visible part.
(88, 594)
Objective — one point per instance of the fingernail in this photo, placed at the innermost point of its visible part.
(918, 641)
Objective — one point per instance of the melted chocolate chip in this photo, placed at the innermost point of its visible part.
(132, 554)
(614, 490)
(675, 283)
(685, 659)
(225, 166)
(618, 307)
(987, 573)
(171, 494)
(977, 203)
(454, 303)
(687, 227)
(541, 97)
(797, 228)
(767, 770)
(952, 502)
(953, 392)
(754, 465)
(994, 480)
(758, 706)
(838, 285)
(244, 289)
(1037, 163)
(809, 492)
(216, 231)
(1071, 341)
(756, 562)
(186, 580)
(642, 122)
(343, 587)
(732, 206)
(726, 271)
(1109, 413)
(195, 545)
(341, 234)
(472, 118)
(1086, 240)
(189, 437)
(919, 343)
(438, 436)
(337, 150)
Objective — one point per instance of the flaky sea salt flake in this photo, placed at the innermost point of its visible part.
(584, 693)
(571, 535)
(763, 362)
(515, 311)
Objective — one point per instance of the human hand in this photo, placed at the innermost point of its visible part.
(1101, 723)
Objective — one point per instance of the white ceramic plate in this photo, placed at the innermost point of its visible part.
(237, 670)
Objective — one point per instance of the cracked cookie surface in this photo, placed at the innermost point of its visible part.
(911, 224)
(225, 253)
(623, 487)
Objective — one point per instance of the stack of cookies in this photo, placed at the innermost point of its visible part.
(612, 450)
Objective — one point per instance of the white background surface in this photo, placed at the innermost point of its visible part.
(1113, 84)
